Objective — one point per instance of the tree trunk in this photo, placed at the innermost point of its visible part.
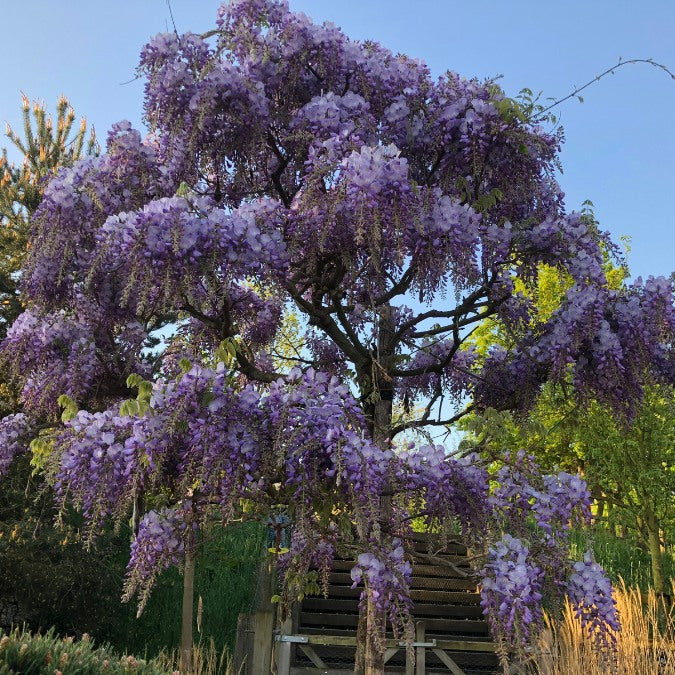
(186, 619)
(374, 639)
(369, 649)
(654, 544)
(599, 498)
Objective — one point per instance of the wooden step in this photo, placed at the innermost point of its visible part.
(460, 596)
(441, 583)
(351, 633)
(444, 596)
(422, 570)
(433, 625)
(421, 610)
(426, 544)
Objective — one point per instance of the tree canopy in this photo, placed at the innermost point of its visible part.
(288, 165)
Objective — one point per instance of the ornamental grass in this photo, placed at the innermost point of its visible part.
(644, 646)
(206, 660)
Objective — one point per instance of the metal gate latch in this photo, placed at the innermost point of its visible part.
(302, 639)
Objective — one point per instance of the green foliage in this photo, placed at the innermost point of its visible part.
(225, 580)
(548, 431)
(24, 652)
(634, 467)
(138, 406)
(69, 406)
(226, 352)
(46, 578)
(40, 451)
(630, 469)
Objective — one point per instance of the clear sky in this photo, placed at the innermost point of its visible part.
(620, 143)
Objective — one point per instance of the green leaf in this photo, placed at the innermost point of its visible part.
(183, 190)
(226, 351)
(40, 450)
(134, 380)
(65, 401)
(207, 397)
(69, 406)
(68, 414)
(130, 407)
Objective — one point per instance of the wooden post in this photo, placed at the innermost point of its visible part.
(243, 648)
(283, 649)
(262, 643)
(420, 653)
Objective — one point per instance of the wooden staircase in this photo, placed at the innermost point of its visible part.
(451, 634)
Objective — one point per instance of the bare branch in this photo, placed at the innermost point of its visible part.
(398, 288)
(464, 307)
(320, 316)
(276, 175)
(175, 30)
(610, 71)
(461, 324)
(344, 322)
(419, 423)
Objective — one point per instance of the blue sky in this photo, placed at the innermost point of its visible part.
(620, 144)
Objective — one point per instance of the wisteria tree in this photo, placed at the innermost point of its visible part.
(290, 168)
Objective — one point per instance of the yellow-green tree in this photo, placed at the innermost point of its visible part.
(630, 467)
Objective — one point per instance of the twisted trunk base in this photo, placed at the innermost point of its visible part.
(186, 614)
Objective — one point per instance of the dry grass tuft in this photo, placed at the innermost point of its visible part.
(206, 660)
(645, 645)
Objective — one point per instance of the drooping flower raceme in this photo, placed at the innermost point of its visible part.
(160, 543)
(387, 577)
(591, 595)
(56, 353)
(511, 591)
(100, 472)
(15, 434)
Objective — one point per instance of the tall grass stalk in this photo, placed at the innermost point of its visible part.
(206, 660)
(644, 646)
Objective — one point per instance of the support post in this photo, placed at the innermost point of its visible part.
(262, 642)
(283, 648)
(420, 653)
(243, 649)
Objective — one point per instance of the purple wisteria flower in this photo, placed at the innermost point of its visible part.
(592, 597)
